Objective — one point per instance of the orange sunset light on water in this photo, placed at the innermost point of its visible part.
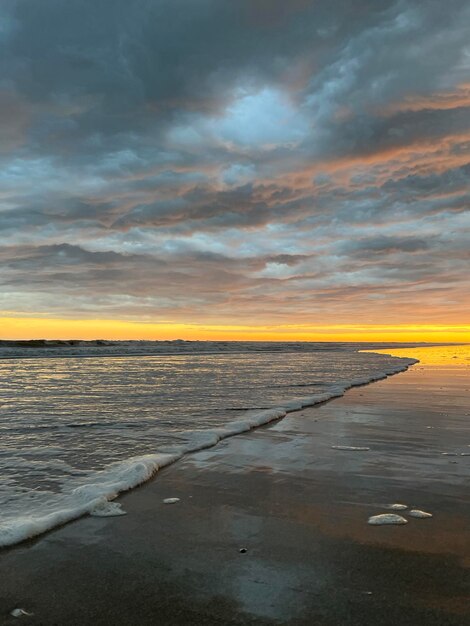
(37, 328)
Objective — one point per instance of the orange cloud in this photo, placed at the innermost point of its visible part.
(422, 157)
(459, 97)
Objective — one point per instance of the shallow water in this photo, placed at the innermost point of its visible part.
(64, 420)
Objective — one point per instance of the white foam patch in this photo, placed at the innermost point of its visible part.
(107, 509)
(419, 514)
(171, 500)
(82, 500)
(387, 518)
(124, 475)
(397, 507)
(353, 448)
(19, 613)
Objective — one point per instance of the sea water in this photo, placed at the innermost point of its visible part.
(74, 432)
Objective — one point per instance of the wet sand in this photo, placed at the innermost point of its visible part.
(298, 507)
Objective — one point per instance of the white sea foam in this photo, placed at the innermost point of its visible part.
(386, 519)
(108, 484)
(107, 509)
(351, 448)
(56, 348)
(419, 514)
(20, 613)
(89, 493)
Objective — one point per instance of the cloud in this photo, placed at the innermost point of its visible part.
(235, 161)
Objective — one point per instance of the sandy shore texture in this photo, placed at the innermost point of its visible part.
(271, 527)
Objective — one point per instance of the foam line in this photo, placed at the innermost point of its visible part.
(124, 475)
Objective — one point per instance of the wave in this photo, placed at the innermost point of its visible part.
(42, 348)
(105, 485)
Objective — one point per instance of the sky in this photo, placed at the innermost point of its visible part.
(252, 169)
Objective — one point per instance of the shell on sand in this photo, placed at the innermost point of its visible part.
(170, 500)
(420, 514)
(397, 507)
(387, 518)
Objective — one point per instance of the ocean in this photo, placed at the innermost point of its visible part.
(76, 431)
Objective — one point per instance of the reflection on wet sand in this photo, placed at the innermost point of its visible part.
(457, 356)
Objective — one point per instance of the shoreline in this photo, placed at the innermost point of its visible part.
(126, 475)
(300, 510)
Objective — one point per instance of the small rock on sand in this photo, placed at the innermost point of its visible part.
(397, 507)
(170, 500)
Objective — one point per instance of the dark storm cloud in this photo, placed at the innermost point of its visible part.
(252, 156)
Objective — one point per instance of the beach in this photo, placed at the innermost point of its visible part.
(271, 526)
(234, 313)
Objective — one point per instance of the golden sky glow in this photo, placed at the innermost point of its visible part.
(37, 328)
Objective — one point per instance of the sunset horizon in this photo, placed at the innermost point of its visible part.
(234, 312)
(122, 330)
